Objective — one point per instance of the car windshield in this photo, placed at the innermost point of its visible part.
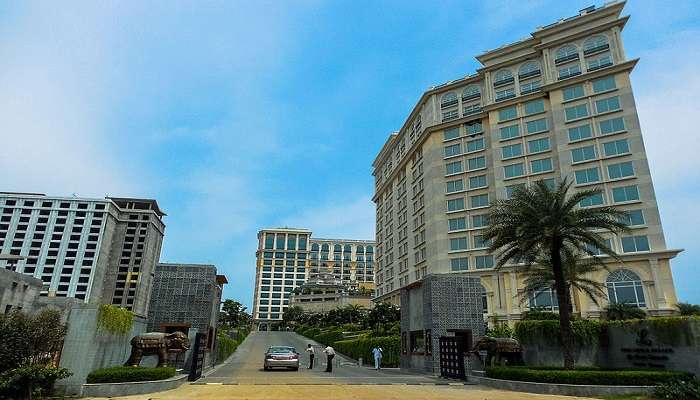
(281, 349)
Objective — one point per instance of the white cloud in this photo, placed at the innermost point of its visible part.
(343, 219)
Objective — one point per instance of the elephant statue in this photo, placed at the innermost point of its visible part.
(157, 343)
(499, 351)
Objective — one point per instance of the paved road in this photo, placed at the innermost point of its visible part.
(245, 367)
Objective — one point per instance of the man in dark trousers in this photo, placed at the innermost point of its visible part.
(311, 352)
(330, 353)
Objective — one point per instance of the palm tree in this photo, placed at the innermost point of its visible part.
(541, 221)
(688, 309)
(623, 311)
(540, 274)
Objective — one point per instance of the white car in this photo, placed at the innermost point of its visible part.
(281, 357)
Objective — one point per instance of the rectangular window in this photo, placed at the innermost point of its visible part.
(588, 175)
(480, 242)
(505, 94)
(477, 181)
(594, 200)
(514, 150)
(509, 132)
(475, 145)
(633, 218)
(511, 171)
(625, 193)
(455, 186)
(573, 92)
(534, 107)
(507, 113)
(269, 241)
(603, 84)
(458, 244)
(512, 188)
(453, 168)
(612, 126)
(455, 204)
(479, 221)
(576, 112)
(459, 264)
(541, 165)
(291, 242)
(569, 71)
(633, 244)
(481, 200)
(620, 170)
(530, 87)
(456, 224)
(453, 150)
(606, 105)
(474, 127)
(580, 133)
(583, 154)
(538, 145)
(616, 147)
(483, 262)
(451, 133)
(599, 62)
(476, 163)
(536, 126)
(450, 115)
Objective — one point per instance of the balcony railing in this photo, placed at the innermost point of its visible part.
(600, 66)
(471, 96)
(448, 103)
(596, 49)
(503, 82)
(568, 58)
(529, 74)
(568, 75)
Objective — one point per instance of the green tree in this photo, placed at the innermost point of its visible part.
(688, 309)
(621, 312)
(233, 314)
(382, 313)
(541, 221)
(293, 314)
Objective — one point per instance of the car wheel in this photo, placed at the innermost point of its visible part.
(295, 369)
(266, 368)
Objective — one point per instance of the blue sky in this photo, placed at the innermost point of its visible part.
(242, 115)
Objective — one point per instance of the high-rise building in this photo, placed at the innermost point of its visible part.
(556, 105)
(101, 251)
(287, 257)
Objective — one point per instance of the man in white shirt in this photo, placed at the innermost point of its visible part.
(330, 353)
(377, 353)
(312, 353)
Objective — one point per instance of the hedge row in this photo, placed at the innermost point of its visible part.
(225, 346)
(362, 348)
(129, 374)
(587, 376)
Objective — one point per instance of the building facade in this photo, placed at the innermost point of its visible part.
(325, 292)
(287, 257)
(18, 291)
(100, 251)
(557, 105)
(186, 296)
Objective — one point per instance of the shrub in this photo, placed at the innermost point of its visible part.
(678, 390)
(362, 348)
(587, 376)
(585, 331)
(329, 337)
(621, 312)
(688, 309)
(129, 374)
(114, 319)
(500, 331)
(539, 315)
(225, 346)
(30, 381)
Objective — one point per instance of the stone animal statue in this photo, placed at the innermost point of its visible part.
(499, 351)
(159, 344)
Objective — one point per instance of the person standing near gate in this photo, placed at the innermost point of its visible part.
(330, 354)
(377, 352)
(310, 350)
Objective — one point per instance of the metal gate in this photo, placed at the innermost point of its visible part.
(451, 357)
(198, 356)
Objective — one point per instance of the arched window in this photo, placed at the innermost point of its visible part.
(530, 68)
(471, 92)
(346, 248)
(370, 249)
(360, 249)
(565, 53)
(336, 248)
(324, 247)
(448, 99)
(625, 287)
(314, 247)
(595, 43)
(502, 77)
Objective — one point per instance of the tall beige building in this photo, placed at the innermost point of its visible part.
(288, 257)
(556, 105)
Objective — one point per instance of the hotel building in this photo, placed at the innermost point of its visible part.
(287, 257)
(100, 251)
(556, 105)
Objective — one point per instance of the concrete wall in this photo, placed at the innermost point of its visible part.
(631, 346)
(18, 291)
(85, 349)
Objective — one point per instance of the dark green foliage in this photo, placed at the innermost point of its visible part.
(362, 348)
(688, 389)
(129, 374)
(30, 381)
(225, 346)
(115, 320)
(621, 312)
(584, 331)
(233, 314)
(687, 309)
(539, 315)
(587, 376)
(500, 331)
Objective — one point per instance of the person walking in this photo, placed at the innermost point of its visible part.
(310, 350)
(330, 354)
(377, 352)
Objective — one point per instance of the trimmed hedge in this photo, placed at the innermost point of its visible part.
(587, 376)
(585, 331)
(129, 374)
(362, 347)
(225, 346)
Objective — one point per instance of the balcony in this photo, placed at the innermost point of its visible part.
(529, 74)
(505, 97)
(503, 82)
(596, 49)
(529, 90)
(568, 75)
(471, 96)
(565, 59)
(600, 66)
(448, 103)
